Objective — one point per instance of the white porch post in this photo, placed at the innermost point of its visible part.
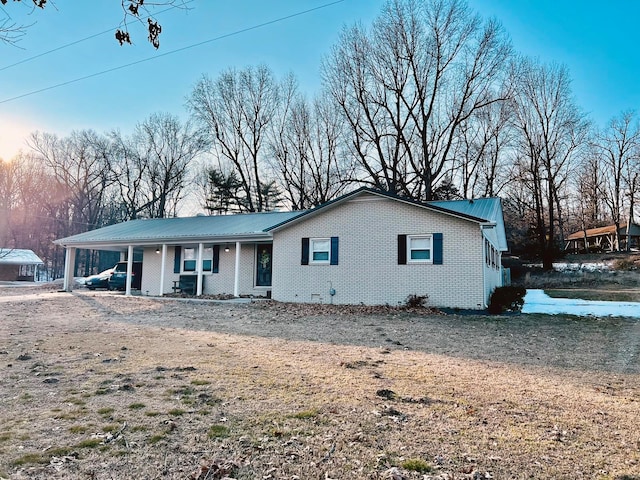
(236, 279)
(129, 270)
(162, 262)
(199, 270)
(69, 262)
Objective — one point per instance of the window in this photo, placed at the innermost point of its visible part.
(189, 264)
(419, 248)
(209, 263)
(207, 259)
(320, 250)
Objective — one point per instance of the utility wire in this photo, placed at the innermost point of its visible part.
(177, 50)
(61, 47)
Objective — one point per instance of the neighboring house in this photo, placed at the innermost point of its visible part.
(366, 247)
(18, 264)
(603, 239)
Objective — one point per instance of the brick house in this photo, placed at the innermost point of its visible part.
(366, 247)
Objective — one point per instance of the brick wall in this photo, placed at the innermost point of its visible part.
(214, 283)
(368, 271)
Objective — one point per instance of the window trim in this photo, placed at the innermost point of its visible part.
(410, 250)
(312, 251)
(210, 258)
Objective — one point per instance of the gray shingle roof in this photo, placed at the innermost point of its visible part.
(168, 230)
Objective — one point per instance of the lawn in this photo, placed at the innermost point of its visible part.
(97, 385)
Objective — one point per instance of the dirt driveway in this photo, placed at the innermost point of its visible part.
(96, 385)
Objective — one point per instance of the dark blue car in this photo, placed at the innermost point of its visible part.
(99, 280)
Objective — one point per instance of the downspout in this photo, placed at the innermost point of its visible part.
(484, 268)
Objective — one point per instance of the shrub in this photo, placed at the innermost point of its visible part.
(507, 299)
(416, 465)
(416, 301)
(624, 264)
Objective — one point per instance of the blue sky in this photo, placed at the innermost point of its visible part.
(596, 40)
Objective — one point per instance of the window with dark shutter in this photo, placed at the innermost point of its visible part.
(334, 250)
(216, 258)
(305, 251)
(437, 249)
(176, 259)
(402, 249)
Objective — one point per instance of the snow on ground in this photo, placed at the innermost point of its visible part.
(536, 301)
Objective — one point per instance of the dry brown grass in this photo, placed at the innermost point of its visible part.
(102, 386)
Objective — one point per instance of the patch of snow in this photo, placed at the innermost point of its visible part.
(536, 301)
(582, 267)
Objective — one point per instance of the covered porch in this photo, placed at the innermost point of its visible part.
(229, 255)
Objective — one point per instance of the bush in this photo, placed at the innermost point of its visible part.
(624, 264)
(507, 299)
(416, 301)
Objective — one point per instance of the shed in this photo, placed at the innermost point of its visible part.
(18, 264)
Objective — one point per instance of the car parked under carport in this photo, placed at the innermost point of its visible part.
(99, 280)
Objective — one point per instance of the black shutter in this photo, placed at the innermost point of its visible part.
(216, 258)
(176, 259)
(334, 251)
(402, 249)
(437, 249)
(305, 251)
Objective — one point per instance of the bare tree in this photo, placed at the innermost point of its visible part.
(619, 145)
(409, 85)
(163, 149)
(307, 153)
(237, 110)
(485, 142)
(79, 167)
(139, 10)
(551, 133)
(129, 165)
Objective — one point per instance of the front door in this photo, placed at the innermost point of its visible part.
(263, 265)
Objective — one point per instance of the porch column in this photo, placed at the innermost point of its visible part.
(129, 270)
(69, 262)
(236, 279)
(199, 270)
(162, 262)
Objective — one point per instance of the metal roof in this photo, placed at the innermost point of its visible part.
(608, 230)
(258, 226)
(9, 256)
(483, 211)
(490, 209)
(247, 226)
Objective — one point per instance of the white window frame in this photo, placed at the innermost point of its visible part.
(315, 247)
(207, 254)
(428, 237)
(189, 254)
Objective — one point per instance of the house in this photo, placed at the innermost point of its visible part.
(602, 239)
(365, 247)
(18, 264)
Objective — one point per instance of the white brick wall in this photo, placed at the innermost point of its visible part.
(214, 283)
(368, 273)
